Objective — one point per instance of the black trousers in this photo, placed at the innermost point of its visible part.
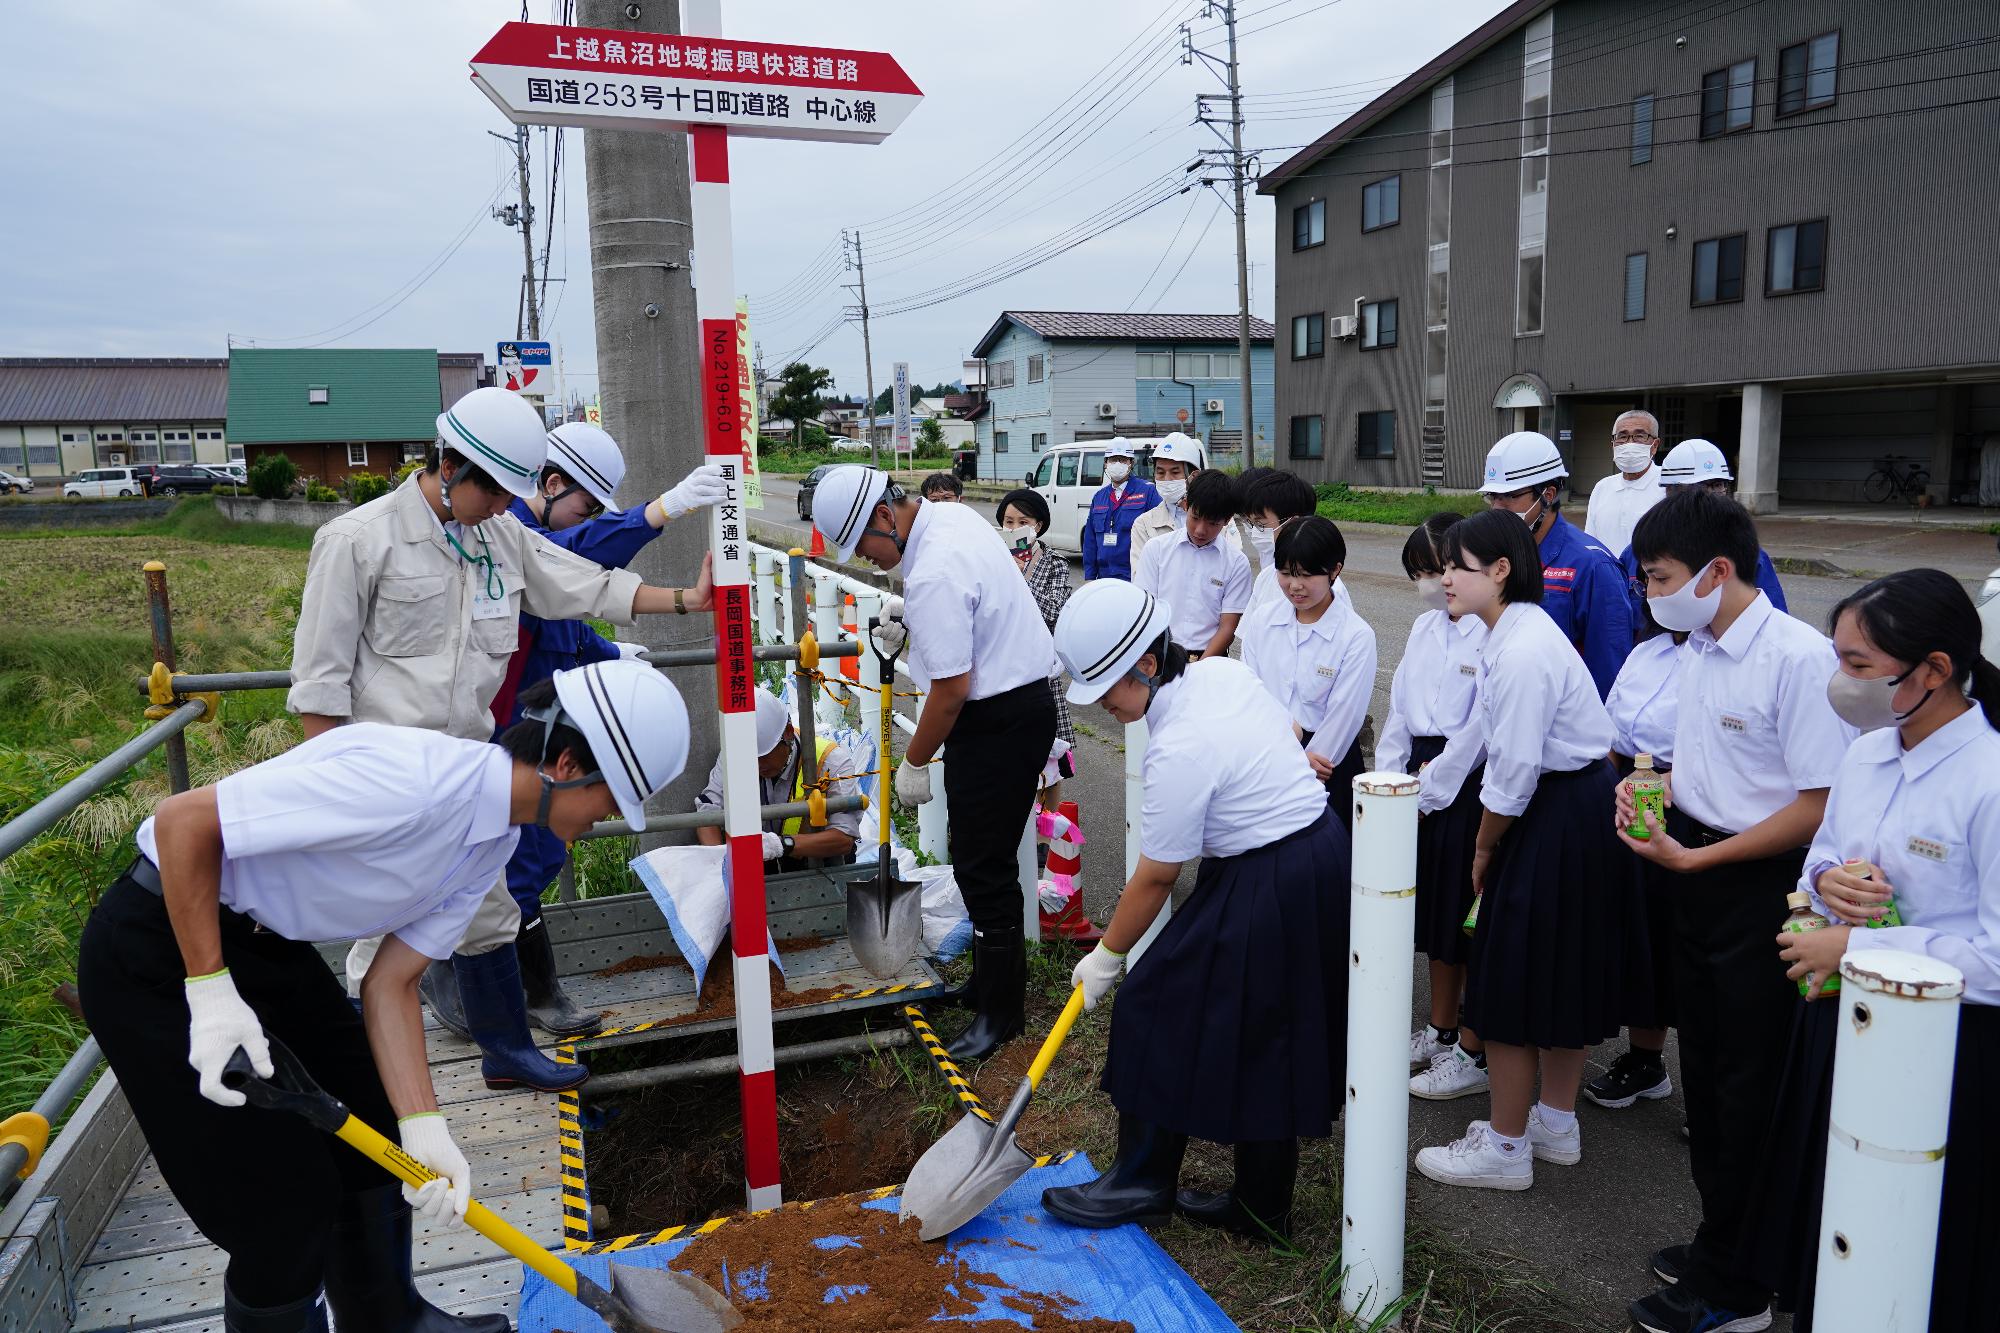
(993, 758)
(1734, 1009)
(261, 1184)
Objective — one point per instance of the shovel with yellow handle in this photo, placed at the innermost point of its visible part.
(639, 1300)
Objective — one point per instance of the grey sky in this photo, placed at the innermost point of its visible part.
(282, 172)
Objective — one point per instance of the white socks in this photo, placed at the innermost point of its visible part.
(1559, 1121)
(1508, 1147)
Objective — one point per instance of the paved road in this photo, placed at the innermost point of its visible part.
(1589, 1227)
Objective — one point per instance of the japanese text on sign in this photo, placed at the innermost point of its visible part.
(701, 101)
(718, 59)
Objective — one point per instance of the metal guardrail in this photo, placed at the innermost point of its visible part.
(46, 813)
(55, 1099)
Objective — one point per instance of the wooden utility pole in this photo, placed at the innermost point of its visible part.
(860, 268)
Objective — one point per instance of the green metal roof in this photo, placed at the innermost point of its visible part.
(371, 394)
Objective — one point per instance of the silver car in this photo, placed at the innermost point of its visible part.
(13, 485)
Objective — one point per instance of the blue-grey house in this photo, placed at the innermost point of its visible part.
(1057, 376)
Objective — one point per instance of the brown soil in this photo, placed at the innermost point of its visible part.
(907, 1281)
(718, 992)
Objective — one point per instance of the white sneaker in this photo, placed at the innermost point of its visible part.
(1476, 1162)
(1424, 1047)
(1565, 1149)
(1452, 1073)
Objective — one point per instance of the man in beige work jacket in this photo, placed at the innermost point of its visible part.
(410, 615)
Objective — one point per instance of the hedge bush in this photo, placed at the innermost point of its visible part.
(272, 477)
(361, 487)
(321, 494)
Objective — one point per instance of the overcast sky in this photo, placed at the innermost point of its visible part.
(183, 173)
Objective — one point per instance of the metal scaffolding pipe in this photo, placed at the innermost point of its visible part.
(694, 819)
(44, 814)
(721, 1065)
(55, 1099)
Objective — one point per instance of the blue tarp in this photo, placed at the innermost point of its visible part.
(1118, 1274)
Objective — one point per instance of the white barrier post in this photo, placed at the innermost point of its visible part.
(1375, 1149)
(763, 576)
(1885, 1140)
(934, 818)
(794, 559)
(1135, 801)
(826, 629)
(1030, 876)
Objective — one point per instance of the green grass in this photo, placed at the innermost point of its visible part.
(1342, 504)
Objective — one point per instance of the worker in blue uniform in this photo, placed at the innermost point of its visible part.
(1107, 532)
(1583, 585)
(1696, 463)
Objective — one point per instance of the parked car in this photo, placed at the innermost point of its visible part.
(1989, 618)
(227, 474)
(180, 479)
(13, 485)
(1068, 476)
(813, 478)
(98, 482)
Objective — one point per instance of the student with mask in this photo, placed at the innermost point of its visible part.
(1583, 588)
(1547, 967)
(1694, 463)
(1177, 460)
(1918, 798)
(1316, 655)
(981, 654)
(1617, 501)
(1199, 571)
(788, 843)
(1756, 745)
(1106, 541)
(1433, 733)
(1271, 499)
(1232, 1025)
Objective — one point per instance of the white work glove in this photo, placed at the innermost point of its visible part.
(219, 1022)
(890, 636)
(697, 490)
(444, 1198)
(913, 784)
(1097, 972)
(774, 846)
(629, 651)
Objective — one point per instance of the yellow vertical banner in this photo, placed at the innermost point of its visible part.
(753, 478)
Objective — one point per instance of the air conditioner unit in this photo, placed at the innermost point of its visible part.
(115, 460)
(1342, 326)
(1107, 411)
(1212, 405)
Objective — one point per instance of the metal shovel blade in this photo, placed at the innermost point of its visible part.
(657, 1300)
(885, 924)
(966, 1170)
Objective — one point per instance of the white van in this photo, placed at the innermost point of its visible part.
(1068, 476)
(102, 481)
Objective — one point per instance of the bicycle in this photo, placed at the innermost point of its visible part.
(1886, 481)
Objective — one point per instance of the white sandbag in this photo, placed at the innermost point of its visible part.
(687, 885)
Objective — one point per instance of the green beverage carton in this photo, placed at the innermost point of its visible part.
(1471, 922)
(1649, 792)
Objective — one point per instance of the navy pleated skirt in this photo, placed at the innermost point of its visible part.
(1445, 839)
(1780, 1242)
(1233, 1026)
(1561, 931)
(1340, 782)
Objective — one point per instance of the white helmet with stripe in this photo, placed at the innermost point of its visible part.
(1105, 627)
(772, 719)
(498, 433)
(1180, 448)
(588, 456)
(1523, 461)
(842, 502)
(635, 723)
(1693, 461)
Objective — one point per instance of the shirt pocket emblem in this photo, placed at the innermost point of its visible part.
(1735, 724)
(1929, 849)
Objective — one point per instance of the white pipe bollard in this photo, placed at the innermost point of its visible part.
(826, 629)
(1885, 1141)
(765, 566)
(1375, 1148)
(866, 609)
(783, 574)
(1031, 899)
(1135, 803)
(934, 818)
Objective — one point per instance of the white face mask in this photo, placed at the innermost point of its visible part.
(1684, 611)
(1430, 591)
(1263, 541)
(1869, 704)
(1115, 473)
(1173, 492)
(1630, 458)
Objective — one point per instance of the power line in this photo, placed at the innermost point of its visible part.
(1194, 202)
(1192, 251)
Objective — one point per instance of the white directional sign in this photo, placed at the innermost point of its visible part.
(902, 401)
(601, 78)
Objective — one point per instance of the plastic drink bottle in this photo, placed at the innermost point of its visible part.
(1649, 792)
(1804, 920)
(1890, 916)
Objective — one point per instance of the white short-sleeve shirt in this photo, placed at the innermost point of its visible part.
(1755, 728)
(1323, 673)
(364, 830)
(968, 608)
(1617, 504)
(1539, 706)
(1645, 699)
(1201, 583)
(1223, 772)
(1435, 692)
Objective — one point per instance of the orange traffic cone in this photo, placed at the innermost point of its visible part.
(818, 546)
(850, 667)
(1066, 865)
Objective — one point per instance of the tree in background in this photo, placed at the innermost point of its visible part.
(930, 440)
(800, 396)
(272, 477)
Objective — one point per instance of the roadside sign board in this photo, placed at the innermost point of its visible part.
(602, 78)
(902, 445)
(746, 388)
(530, 354)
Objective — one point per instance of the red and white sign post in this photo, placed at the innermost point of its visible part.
(711, 89)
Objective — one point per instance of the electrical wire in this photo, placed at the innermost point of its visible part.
(1194, 202)
(1192, 251)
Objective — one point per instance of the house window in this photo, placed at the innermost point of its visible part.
(1191, 365)
(1635, 287)
(1307, 438)
(999, 441)
(1222, 365)
(1727, 98)
(1532, 218)
(174, 452)
(1000, 374)
(1807, 73)
(1308, 336)
(315, 394)
(1378, 325)
(413, 452)
(1035, 368)
(1309, 225)
(1795, 258)
(1038, 442)
(1382, 203)
(69, 437)
(1642, 129)
(1155, 365)
(44, 455)
(357, 455)
(1718, 270)
(1375, 435)
(236, 453)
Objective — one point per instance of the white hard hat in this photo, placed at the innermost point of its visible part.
(1694, 461)
(635, 723)
(588, 456)
(1522, 461)
(1181, 449)
(497, 432)
(842, 502)
(1118, 447)
(1106, 626)
(772, 719)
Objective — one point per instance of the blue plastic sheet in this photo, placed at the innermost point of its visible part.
(1119, 1274)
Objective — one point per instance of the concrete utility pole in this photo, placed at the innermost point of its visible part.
(1238, 173)
(523, 216)
(648, 353)
(867, 347)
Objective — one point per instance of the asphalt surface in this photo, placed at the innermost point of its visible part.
(1588, 1228)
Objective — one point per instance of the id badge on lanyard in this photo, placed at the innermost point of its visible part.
(489, 600)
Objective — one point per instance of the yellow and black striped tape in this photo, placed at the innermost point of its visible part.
(569, 1160)
(960, 1084)
(658, 1023)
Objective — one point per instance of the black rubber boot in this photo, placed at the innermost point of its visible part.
(999, 996)
(306, 1316)
(368, 1280)
(548, 1008)
(1138, 1186)
(439, 988)
(1259, 1205)
(497, 1011)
